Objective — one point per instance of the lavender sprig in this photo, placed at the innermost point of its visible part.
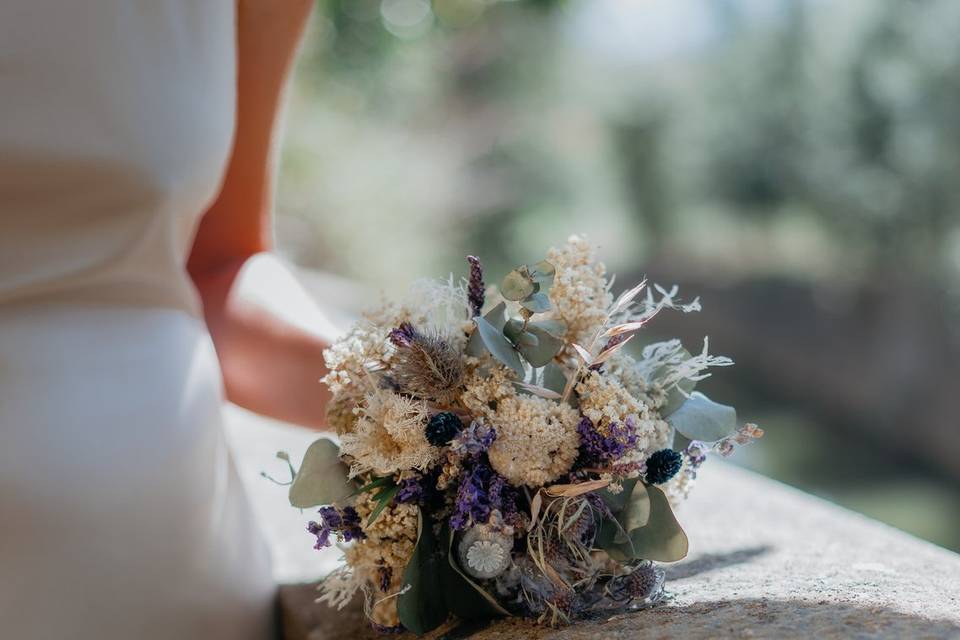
(475, 289)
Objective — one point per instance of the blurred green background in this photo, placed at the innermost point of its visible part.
(796, 163)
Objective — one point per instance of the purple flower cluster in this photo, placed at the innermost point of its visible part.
(411, 491)
(481, 490)
(597, 448)
(345, 523)
(473, 440)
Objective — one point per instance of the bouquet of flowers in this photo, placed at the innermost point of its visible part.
(501, 452)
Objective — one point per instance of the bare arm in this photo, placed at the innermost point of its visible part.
(271, 357)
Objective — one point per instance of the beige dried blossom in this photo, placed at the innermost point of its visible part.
(580, 292)
(536, 441)
(604, 400)
(389, 435)
(484, 389)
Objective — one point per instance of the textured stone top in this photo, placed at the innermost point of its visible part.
(766, 561)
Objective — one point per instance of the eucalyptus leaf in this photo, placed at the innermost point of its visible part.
(556, 328)
(543, 271)
(537, 302)
(517, 285)
(546, 347)
(662, 538)
(512, 329)
(421, 605)
(498, 346)
(554, 378)
(527, 340)
(700, 418)
(636, 513)
(676, 396)
(616, 502)
(680, 441)
(496, 317)
(322, 479)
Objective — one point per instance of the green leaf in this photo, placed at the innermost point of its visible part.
(676, 396)
(496, 317)
(680, 442)
(383, 499)
(422, 605)
(547, 346)
(543, 272)
(498, 346)
(636, 513)
(700, 418)
(512, 329)
(554, 378)
(376, 483)
(555, 328)
(517, 285)
(537, 302)
(323, 477)
(465, 598)
(662, 538)
(616, 502)
(527, 340)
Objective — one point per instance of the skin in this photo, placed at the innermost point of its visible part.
(271, 364)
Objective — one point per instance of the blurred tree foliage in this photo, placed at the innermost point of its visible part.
(849, 112)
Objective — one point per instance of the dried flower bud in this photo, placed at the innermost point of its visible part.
(475, 288)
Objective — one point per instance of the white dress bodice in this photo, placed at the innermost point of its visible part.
(121, 514)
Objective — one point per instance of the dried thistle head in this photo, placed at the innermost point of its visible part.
(426, 366)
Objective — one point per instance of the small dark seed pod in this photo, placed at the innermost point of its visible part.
(663, 465)
(442, 428)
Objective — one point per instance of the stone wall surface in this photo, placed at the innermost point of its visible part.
(766, 561)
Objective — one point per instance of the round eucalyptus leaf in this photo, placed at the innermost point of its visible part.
(517, 285)
(700, 418)
(538, 302)
(677, 395)
(527, 340)
(322, 478)
(512, 329)
(556, 328)
(553, 377)
(498, 346)
(543, 271)
(662, 538)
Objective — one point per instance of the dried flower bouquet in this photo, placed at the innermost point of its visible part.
(501, 453)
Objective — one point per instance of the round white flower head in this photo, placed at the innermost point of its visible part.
(485, 558)
(484, 553)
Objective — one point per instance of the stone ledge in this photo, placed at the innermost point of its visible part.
(766, 561)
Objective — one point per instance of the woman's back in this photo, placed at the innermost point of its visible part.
(122, 514)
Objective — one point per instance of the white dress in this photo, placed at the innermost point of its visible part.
(121, 514)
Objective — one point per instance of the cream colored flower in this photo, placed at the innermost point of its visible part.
(536, 441)
(389, 435)
(580, 293)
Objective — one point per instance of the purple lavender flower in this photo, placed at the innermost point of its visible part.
(322, 531)
(480, 492)
(411, 491)
(475, 289)
(597, 448)
(402, 336)
(474, 439)
(345, 523)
